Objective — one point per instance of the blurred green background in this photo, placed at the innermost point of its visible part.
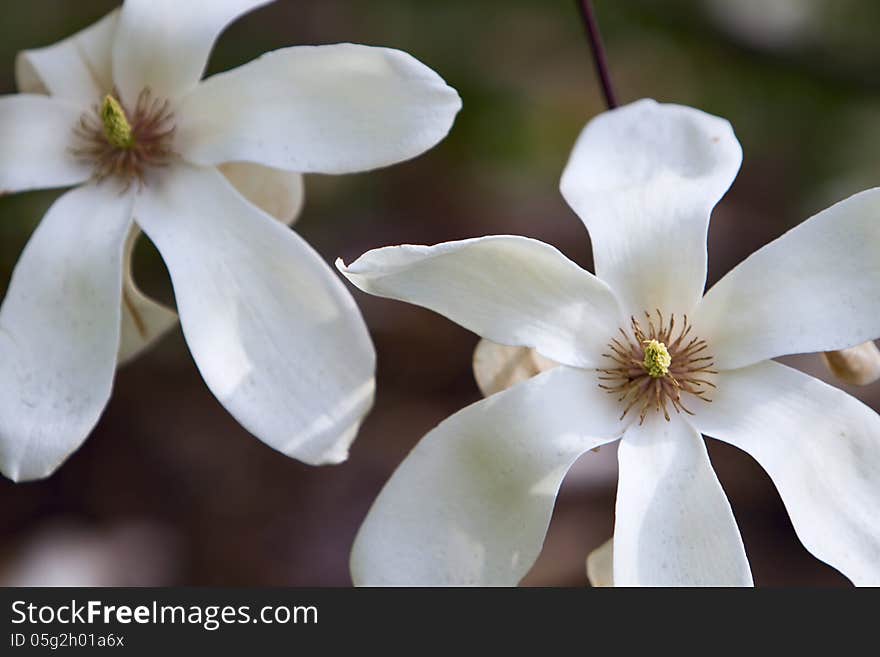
(170, 490)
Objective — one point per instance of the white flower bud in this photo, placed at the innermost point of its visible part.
(858, 365)
(600, 565)
(497, 366)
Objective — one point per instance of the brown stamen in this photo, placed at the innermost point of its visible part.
(152, 136)
(629, 378)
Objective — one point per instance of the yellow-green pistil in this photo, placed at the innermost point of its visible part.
(657, 359)
(117, 129)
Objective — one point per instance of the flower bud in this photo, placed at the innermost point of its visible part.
(600, 565)
(857, 365)
(497, 366)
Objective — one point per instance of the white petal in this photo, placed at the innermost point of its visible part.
(820, 446)
(471, 503)
(673, 526)
(644, 178)
(275, 333)
(77, 69)
(318, 109)
(512, 290)
(498, 367)
(144, 321)
(59, 331)
(816, 288)
(35, 135)
(164, 44)
(600, 565)
(276, 192)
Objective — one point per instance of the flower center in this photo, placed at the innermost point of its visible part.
(651, 368)
(125, 145)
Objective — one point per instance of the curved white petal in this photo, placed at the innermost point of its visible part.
(276, 192)
(816, 288)
(77, 69)
(59, 331)
(644, 179)
(276, 335)
(471, 503)
(165, 44)
(820, 446)
(600, 565)
(36, 133)
(513, 290)
(673, 526)
(318, 109)
(144, 321)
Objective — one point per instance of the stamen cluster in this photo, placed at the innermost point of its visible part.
(123, 144)
(653, 368)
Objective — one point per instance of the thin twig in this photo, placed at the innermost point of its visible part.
(599, 59)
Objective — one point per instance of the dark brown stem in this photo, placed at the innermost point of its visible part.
(592, 27)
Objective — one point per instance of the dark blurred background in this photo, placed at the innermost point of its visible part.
(170, 490)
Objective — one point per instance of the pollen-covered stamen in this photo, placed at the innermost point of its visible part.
(122, 144)
(651, 369)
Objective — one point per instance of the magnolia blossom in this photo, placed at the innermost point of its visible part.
(646, 358)
(119, 110)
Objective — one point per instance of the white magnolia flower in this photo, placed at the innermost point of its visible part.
(119, 110)
(471, 503)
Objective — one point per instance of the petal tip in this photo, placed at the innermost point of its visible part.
(335, 458)
(20, 472)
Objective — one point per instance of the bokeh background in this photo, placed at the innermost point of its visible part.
(170, 490)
